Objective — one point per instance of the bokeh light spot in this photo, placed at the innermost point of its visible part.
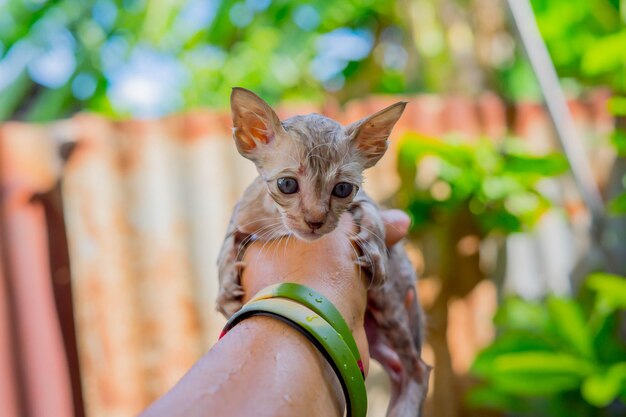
(240, 15)
(54, 67)
(84, 85)
(258, 5)
(104, 12)
(306, 17)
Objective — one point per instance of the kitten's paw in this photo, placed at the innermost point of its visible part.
(239, 266)
(229, 299)
(370, 239)
(363, 262)
(373, 263)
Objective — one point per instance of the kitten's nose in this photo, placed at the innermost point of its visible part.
(314, 225)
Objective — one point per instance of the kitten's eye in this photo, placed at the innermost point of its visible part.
(287, 185)
(343, 189)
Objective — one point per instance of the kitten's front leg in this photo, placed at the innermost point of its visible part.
(370, 238)
(229, 297)
(255, 217)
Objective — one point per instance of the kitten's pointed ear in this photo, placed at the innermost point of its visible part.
(254, 122)
(369, 135)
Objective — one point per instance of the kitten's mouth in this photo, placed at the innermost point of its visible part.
(308, 235)
(304, 233)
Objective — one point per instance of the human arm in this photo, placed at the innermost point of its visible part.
(263, 366)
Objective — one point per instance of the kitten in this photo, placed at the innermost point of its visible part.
(310, 173)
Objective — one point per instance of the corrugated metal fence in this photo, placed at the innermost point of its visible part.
(144, 206)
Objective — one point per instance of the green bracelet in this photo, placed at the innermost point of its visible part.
(320, 332)
(318, 303)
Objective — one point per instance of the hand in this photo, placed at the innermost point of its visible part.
(220, 382)
(326, 265)
(397, 225)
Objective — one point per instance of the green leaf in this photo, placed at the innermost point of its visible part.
(617, 206)
(618, 137)
(611, 290)
(538, 373)
(520, 82)
(509, 342)
(617, 106)
(499, 187)
(536, 385)
(571, 327)
(608, 345)
(49, 104)
(601, 389)
(539, 363)
(517, 313)
(416, 146)
(491, 397)
(13, 95)
(549, 165)
(499, 219)
(605, 55)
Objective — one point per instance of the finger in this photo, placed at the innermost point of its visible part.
(397, 225)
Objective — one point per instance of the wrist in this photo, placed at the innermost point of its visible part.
(325, 265)
(350, 308)
(285, 364)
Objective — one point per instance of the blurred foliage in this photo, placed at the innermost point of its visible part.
(147, 58)
(618, 205)
(120, 54)
(497, 184)
(560, 357)
(151, 57)
(586, 39)
(587, 43)
(458, 194)
(617, 106)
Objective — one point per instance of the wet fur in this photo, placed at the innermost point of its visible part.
(319, 152)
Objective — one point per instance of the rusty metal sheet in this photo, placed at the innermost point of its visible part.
(29, 165)
(147, 204)
(9, 388)
(106, 309)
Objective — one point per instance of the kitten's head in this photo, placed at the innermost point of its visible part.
(312, 165)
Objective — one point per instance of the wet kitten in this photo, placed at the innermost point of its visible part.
(310, 173)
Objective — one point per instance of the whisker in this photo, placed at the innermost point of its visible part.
(259, 235)
(265, 243)
(362, 247)
(357, 240)
(356, 254)
(376, 235)
(285, 245)
(315, 147)
(262, 219)
(276, 243)
(261, 229)
(271, 241)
